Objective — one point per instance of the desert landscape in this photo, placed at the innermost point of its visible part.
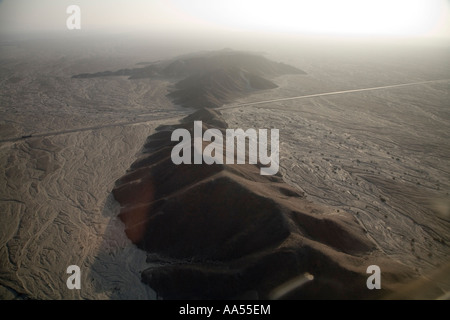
(363, 174)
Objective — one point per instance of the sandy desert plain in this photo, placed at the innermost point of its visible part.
(381, 155)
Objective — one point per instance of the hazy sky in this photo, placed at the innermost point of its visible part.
(423, 18)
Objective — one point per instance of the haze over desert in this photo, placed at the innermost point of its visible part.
(360, 168)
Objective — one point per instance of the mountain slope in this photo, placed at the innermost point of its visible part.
(209, 79)
(214, 88)
(225, 231)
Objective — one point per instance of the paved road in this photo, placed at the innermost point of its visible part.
(329, 94)
(115, 124)
(54, 133)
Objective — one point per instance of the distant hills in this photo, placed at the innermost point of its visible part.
(209, 79)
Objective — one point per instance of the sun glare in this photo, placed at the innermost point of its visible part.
(344, 17)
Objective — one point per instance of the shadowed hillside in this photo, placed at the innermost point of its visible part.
(209, 79)
(213, 89)
(225, 231)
